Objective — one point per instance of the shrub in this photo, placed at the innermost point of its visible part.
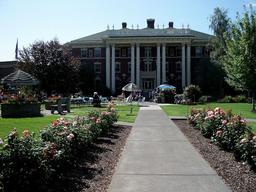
(230, 132)
(241, 99)
(246, 150)
(28, 163)
(179, 98)
(212, 121)
(226, 99)
(192, 92)
(21, 163)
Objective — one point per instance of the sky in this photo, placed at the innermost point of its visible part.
(34, 20)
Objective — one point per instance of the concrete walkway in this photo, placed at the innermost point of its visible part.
(158, 158)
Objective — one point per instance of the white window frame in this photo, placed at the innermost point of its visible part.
(97, 52)
(148, 52)
(198, 51)
(129, 67)
(178, 66)
(118, 69)
(90, 52)
(83, 50)
(118, 50)
(97, 67)
(167, 67)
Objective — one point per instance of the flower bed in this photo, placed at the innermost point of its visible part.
(230, 132)
(27, 162)
(20, 110)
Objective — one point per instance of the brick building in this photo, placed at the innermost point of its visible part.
(148, 57)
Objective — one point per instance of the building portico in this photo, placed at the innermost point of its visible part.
(147, 57)
(157, 74)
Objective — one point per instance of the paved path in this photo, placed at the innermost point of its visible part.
(158, 158)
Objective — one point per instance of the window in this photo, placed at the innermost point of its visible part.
(97, 52)
(198, 51)
(123, 52)
(148, 52)
(178, 67)
(97, 67)
(118, 54)
(171, 52)
(97, 82)
(83, 52)
(167, 67)
(118, 67)
(129, 52)
(90, 53)
(148, 66)
(129, 67)
(178, 51)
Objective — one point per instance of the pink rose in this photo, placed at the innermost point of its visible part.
(70, 137)
(98, 121)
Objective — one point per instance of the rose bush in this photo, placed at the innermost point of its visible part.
(230, 132)
(28, 162)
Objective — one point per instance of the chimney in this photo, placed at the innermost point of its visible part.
(124, 25)
(170, 24)
(151, 23)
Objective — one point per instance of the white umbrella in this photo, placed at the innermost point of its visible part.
(131, 87)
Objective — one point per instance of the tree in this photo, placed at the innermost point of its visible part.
(220, 24)
(239, 60)
(52, 64)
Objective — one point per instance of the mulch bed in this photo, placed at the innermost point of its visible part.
(95, 170)
(237, 175)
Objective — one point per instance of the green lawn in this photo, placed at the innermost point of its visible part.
(36, 123)
(253, 125)
(124, 112)
(243, 109)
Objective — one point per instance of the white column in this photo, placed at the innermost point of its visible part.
(132, 64)
(188, 64)
(138, 65)
(113, 76)
(108, 66)
(183, 67)
(163, 64)
(158, 67)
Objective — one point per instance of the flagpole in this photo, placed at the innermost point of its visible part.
(16, 50)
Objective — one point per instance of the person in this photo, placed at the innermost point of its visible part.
(96, 100)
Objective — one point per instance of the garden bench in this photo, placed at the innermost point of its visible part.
(62, 104)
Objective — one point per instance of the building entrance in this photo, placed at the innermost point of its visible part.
(148, 84)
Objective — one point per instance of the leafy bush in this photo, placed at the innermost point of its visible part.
(212, 121)
(192, 92)
(226, 130)
(226, 99)
(246, 150)
(237, 99)
(205, 98)
(28, 163)
(230, 132)
(179, 98)
(241, 99)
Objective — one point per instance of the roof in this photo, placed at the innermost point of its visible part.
(7, 67)
(146, 32)
(7, 64)
(19, 77)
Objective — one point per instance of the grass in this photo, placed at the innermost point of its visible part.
(253, 125)
(36, 123)
(124, 112)
(243, 109)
